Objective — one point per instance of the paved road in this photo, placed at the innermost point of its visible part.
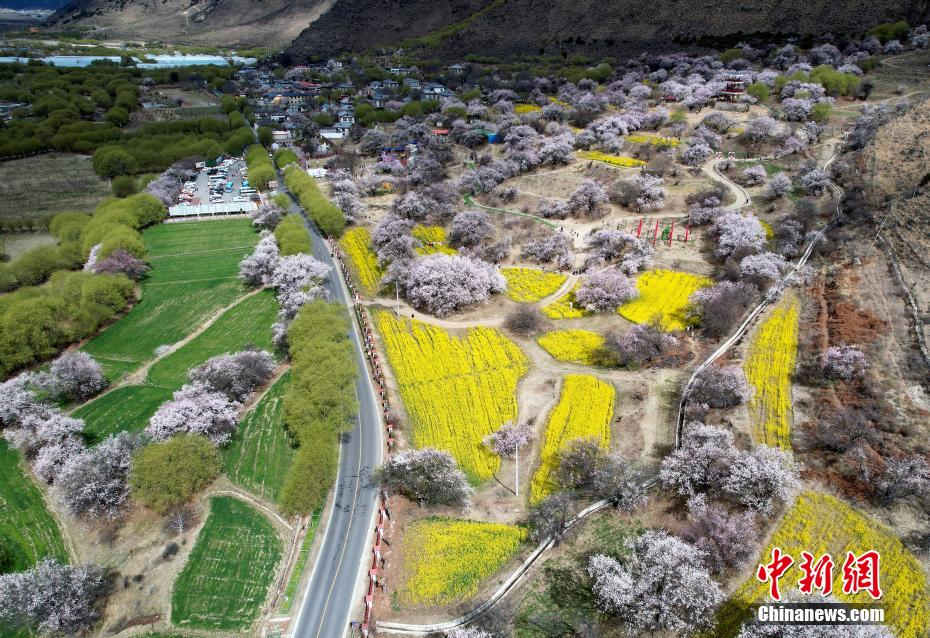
(331, 594)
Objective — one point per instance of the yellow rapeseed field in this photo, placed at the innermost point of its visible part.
(767, 227)
(657, 140)
(769, 365)
(445, 559)
(433, 238)
(820, 524)
(663, 294)
(613, 160)
(565, 307)
(529, 285)
(356, 243)
(585, 410)
(456, 390)
(520, 109)
(577, 346)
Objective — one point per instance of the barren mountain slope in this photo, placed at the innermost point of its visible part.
(507, 27)
(225, 22)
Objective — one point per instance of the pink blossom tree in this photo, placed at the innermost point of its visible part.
(587, 198)
(469, 228)
(122, 262)
(737, 235)
(507, 441)
(844, 362)
(605, 291)
(75, 375)
(728, 538)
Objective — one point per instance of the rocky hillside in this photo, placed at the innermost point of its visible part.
(504, 28)
(271, 23)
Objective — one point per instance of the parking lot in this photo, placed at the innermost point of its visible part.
(225, 183)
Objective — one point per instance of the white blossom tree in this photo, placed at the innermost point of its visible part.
(18, 401)
(904, 477)
(763, 269)
(701, 463)
(721, 387)
(552, 248)
(196, 409)
(298, 279)
(427, 476)
(93, 484)
(52, 599)
(587, 198)
(257, 269)
(661, 586)
(737, 235)
(74, 375)
(267, 216)
(441, 284)
(778, 186)
(754, 175)
(235, 375)
(761, 477)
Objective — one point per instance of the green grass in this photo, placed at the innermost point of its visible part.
(40, 186)
(194, 273)
(260, 453)
(126, 409)
(226, 578)
(28, 531)
(246, 324)
(288, 599)
(436, 37)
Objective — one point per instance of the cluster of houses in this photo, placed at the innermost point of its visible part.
(286, 103)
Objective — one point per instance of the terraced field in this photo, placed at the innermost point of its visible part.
(194, 273)
(126, 409)
(226, 578)
(28, 531)
(246, 324)
(260, 453)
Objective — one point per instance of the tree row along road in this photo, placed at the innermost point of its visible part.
(742, 200)
(331, 591)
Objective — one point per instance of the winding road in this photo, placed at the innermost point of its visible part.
(331, 592)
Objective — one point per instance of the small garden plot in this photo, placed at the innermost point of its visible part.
(769, 365)
(613, 160)
(225, 581)
(434, 240)
(356, 243)
(820, 524)
(585, 410)
(565, 307)
(445, 560)
(575, 346)
(246, 324)
(663, 297)
(194, 273)
(260, 453)
(457, 390)
(529, 285)
(126, 409)
(28, 531)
